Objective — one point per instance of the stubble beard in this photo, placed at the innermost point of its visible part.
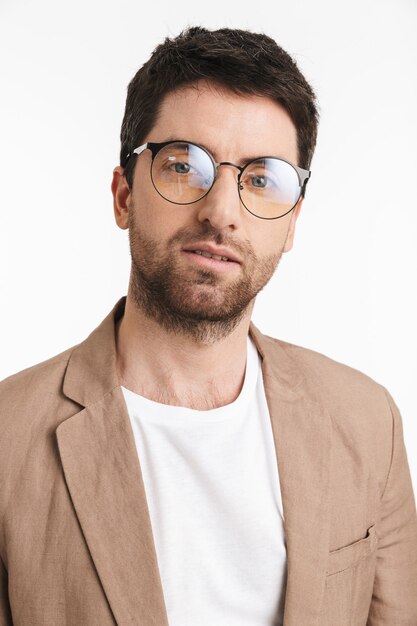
(201, 304)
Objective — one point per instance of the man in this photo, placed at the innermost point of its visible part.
(178, 466)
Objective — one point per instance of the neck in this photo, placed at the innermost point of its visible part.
(177, 369)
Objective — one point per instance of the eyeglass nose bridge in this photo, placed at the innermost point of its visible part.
(238, 167)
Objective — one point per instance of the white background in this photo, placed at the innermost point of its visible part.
(347, 289)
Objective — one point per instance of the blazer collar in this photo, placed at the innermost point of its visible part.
(91, 370)
(103, 474)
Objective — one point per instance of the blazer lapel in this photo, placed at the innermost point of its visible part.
(103, 474)
(102, 471)
(302, 436)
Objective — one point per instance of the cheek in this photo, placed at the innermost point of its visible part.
(149, 207)
(159, 219)
(271, 240)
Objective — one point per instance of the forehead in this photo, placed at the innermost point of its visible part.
(231, 126)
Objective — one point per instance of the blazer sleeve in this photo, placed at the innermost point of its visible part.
(5, 613)
(394, 599)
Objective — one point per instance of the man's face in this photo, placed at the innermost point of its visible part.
(184, 291)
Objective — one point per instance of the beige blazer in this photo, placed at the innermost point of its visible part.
(76, 542)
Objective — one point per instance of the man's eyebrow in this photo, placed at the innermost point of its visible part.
(241, 161)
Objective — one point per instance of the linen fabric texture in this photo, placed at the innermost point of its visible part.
(76, 540)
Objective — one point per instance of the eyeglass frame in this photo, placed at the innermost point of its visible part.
(155, 147)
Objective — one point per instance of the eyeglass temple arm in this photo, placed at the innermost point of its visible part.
(138, 150)
(304, 178)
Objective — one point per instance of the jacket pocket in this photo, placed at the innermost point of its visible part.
(349, 582)
(346, 557)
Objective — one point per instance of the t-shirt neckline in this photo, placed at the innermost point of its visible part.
(154, 410)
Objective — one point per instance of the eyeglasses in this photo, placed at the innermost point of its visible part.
(183, 172)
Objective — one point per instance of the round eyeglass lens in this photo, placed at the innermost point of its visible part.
(182, 172)
(269, 187)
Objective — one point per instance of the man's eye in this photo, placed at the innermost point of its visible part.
(180, 167)
(262, 182)
(259, 181)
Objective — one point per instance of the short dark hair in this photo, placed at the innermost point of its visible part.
(243, 62)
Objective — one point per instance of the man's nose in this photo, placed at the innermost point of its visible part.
(222, 206)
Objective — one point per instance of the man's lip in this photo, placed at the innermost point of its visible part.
(206, 247)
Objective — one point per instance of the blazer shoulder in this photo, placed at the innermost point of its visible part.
(361, 410)
(331, 380)
(308, 359)
(35, 373)
(29, 393)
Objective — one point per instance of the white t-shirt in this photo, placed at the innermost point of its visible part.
(211, 482)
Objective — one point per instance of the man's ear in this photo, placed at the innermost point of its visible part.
(121, 197)
(291, 229)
